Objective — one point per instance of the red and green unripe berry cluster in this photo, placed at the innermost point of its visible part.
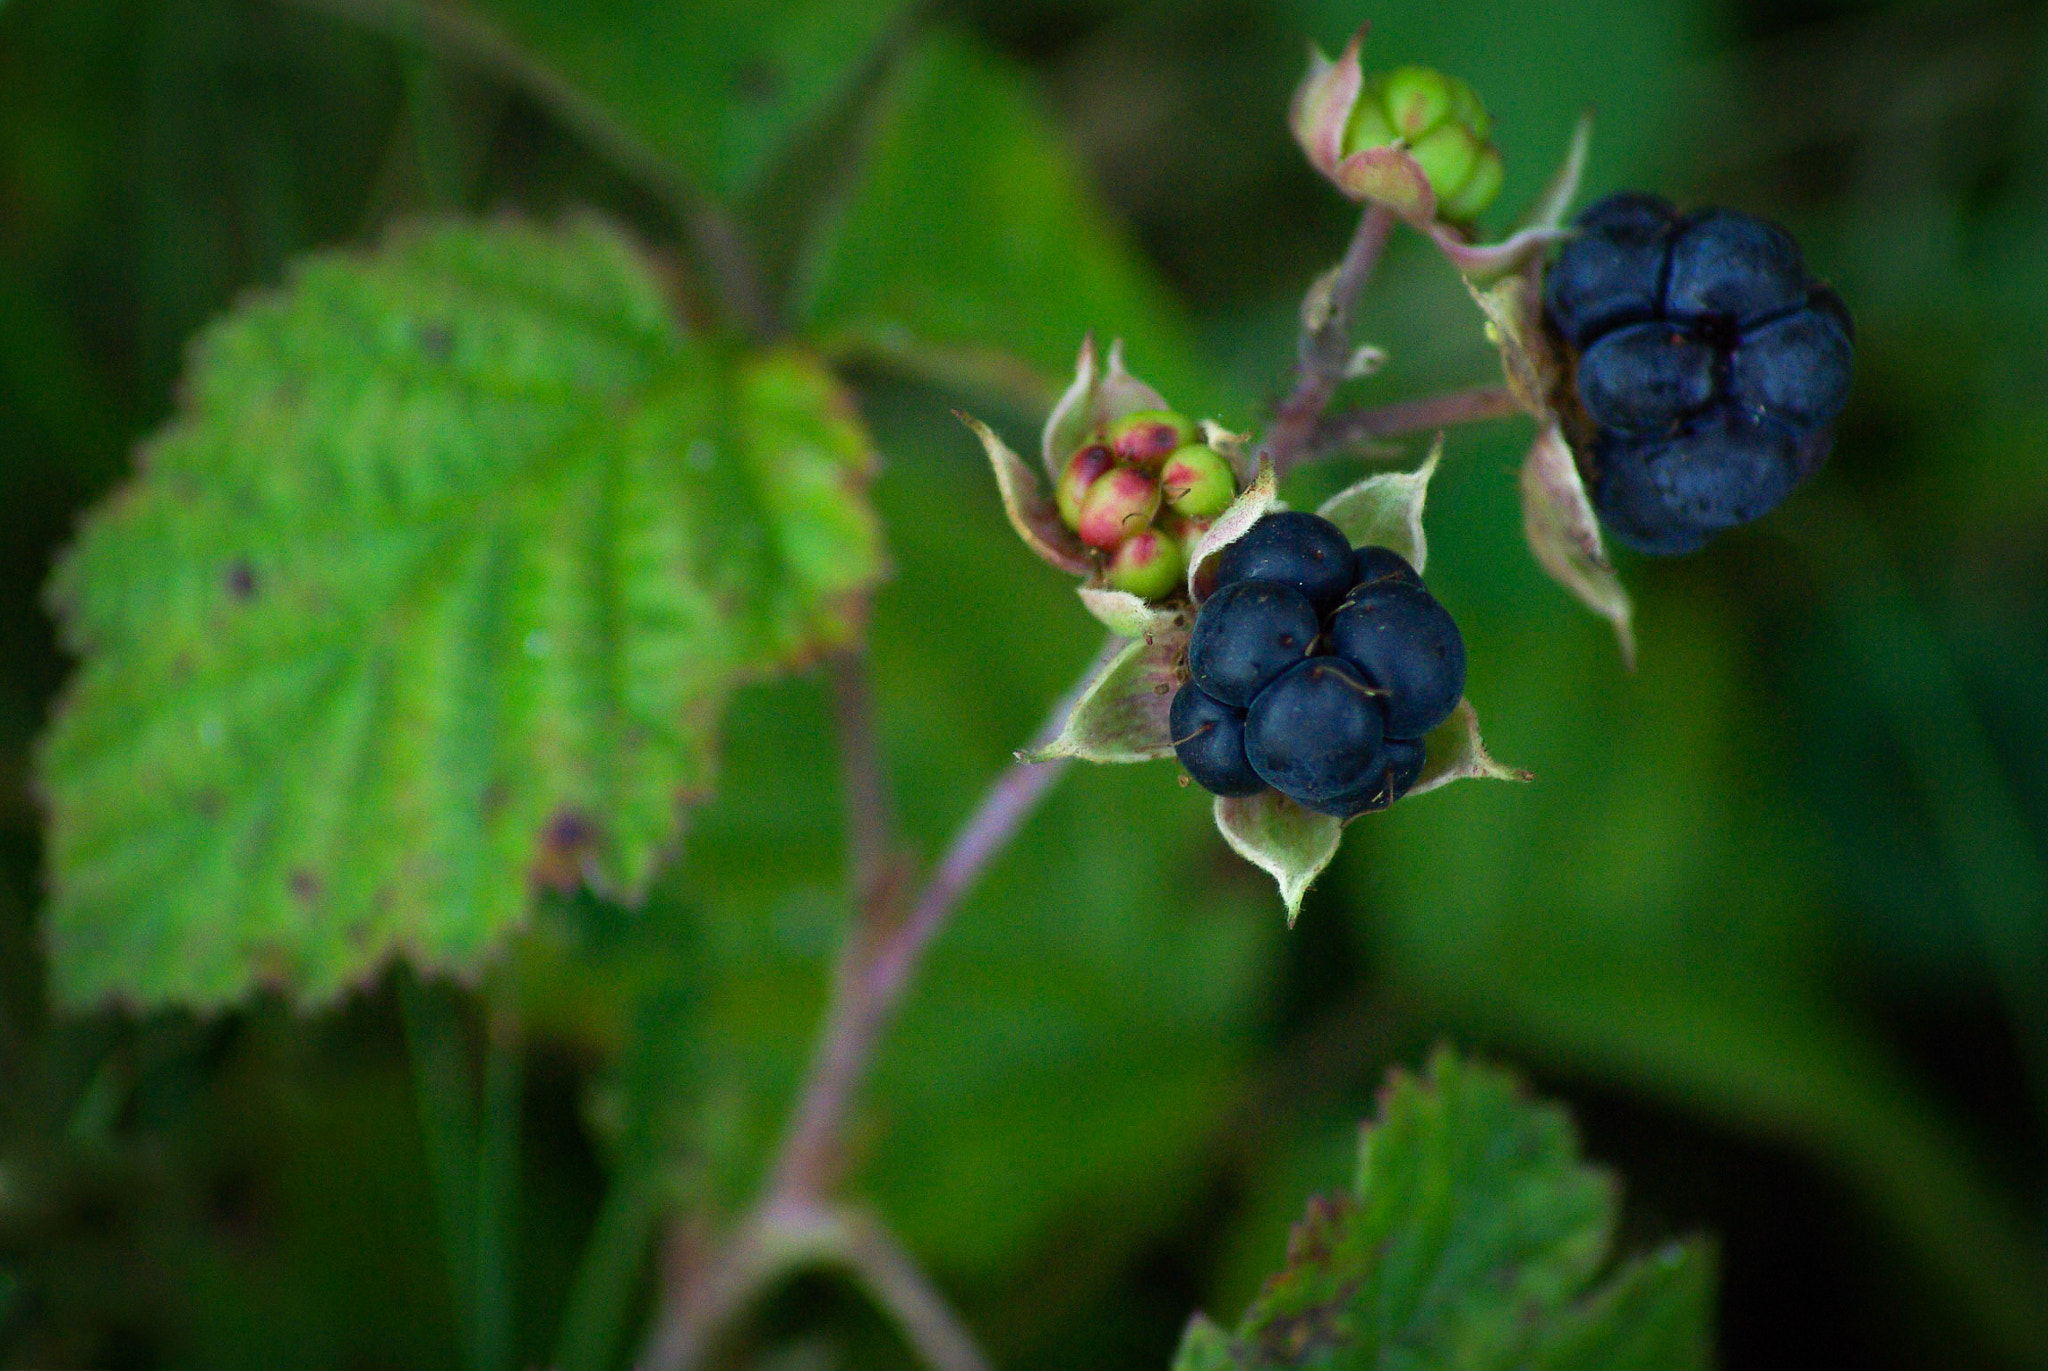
(1315, 669)
(1710, 366)
(1141, 494)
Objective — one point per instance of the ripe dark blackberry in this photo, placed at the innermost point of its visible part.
(1208, 737)
(1369, 564)
(1709, 363)
(1668, 495)
(1317, 732)
(1647, 377)
(1246, 634)
(1399, 768)
(1407, 647)
(1305, 551)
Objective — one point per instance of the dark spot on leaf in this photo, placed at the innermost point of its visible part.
(757, 81)
(305, 885)
(241, 579)
(564, 844)
(207, 802)
(437, 341)
(493, 799)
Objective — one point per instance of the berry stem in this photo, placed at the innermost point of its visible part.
(1325, 348)
(877, 961)
(1353, 428)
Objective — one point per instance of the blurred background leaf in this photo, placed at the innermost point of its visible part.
(1731, 925)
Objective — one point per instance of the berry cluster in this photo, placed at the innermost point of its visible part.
(1141, 492)
(1315, 669)
(1710, 365)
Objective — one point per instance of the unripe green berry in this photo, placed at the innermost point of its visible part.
(1083, 469)
(1185, 531)
(1447, 154)
(1119, 505)
(1368, 126)
(1197, 482)
(1466, 109)
(1416, 100)
(1148, 565)
(1149, 436)
(1479, 189)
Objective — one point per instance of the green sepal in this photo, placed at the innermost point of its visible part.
(1385, 510)
(1453, 752)
(1564, 535)
(1278, 836)
(1247, 509)
(1120, 714)
(1032, 512)
(1092, 401)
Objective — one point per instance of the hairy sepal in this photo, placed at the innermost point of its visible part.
(1513, 307)
(1541, 225)
(1094, 400)
(1030, 508)
(1278, 836)
(1454, 752)
(1120, 715)
(1131, 616)
(1385, 510)
(1564, 535)
(1247, 509)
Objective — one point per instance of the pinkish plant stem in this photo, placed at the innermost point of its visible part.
(1353, 428)
(1325, 348)
(877, 961)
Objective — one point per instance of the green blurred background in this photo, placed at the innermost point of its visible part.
(1774, 918)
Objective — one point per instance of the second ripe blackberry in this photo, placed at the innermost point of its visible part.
(1315, 671)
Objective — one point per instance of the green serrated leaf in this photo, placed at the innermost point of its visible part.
(1121, 714)
(1651, 1314)
(1472, 1238)
(718, 87)
(433, 592)
(1278, 836)
(1385, 510)
(1204, 1347)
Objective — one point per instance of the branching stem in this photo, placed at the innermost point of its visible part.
(882, 952)
(1355, 428)
(1325, 348)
